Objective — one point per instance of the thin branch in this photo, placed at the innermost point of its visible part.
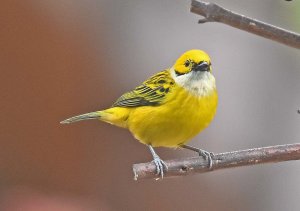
(214, 13)
(187, 166)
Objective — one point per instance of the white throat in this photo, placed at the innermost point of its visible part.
(198, 83)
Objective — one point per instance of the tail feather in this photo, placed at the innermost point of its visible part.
(87, 116)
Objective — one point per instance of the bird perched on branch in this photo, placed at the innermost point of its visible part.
(169, 108)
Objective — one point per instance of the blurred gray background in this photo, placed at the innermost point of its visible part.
(62, 58)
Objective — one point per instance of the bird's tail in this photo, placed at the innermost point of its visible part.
(87, 116)
(116, 115)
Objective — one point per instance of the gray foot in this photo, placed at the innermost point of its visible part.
(206, 155)
(160, 166)
(159, 163)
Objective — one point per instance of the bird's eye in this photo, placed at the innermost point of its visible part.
(187, 63)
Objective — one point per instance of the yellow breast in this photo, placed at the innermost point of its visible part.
(176, 121)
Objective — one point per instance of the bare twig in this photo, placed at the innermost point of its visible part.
(214, 13)
(187, 166)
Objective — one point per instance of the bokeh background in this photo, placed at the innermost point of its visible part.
(62, 58)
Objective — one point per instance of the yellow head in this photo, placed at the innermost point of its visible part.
(192, 60)
(192, 71)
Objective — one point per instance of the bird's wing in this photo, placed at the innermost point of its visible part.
(152, 92)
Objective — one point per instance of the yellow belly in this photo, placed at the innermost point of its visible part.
(174, 123)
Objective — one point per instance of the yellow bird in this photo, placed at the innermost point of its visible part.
(169, 108)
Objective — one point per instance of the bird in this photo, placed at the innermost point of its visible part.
(168, 109)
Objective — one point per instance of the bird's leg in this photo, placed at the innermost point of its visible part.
(206, 155)
(159, 163)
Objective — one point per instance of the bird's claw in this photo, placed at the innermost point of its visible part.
(160, 166)
(207, 156)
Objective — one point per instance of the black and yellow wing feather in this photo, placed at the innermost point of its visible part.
(152, 92)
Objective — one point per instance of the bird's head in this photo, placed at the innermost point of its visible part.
(192, 60)
(192, 70)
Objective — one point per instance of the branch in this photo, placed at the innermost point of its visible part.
(187, 166)
(214, 13)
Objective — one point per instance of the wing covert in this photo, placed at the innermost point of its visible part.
(152, 92)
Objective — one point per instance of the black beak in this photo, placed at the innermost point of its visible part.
(203, 66)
